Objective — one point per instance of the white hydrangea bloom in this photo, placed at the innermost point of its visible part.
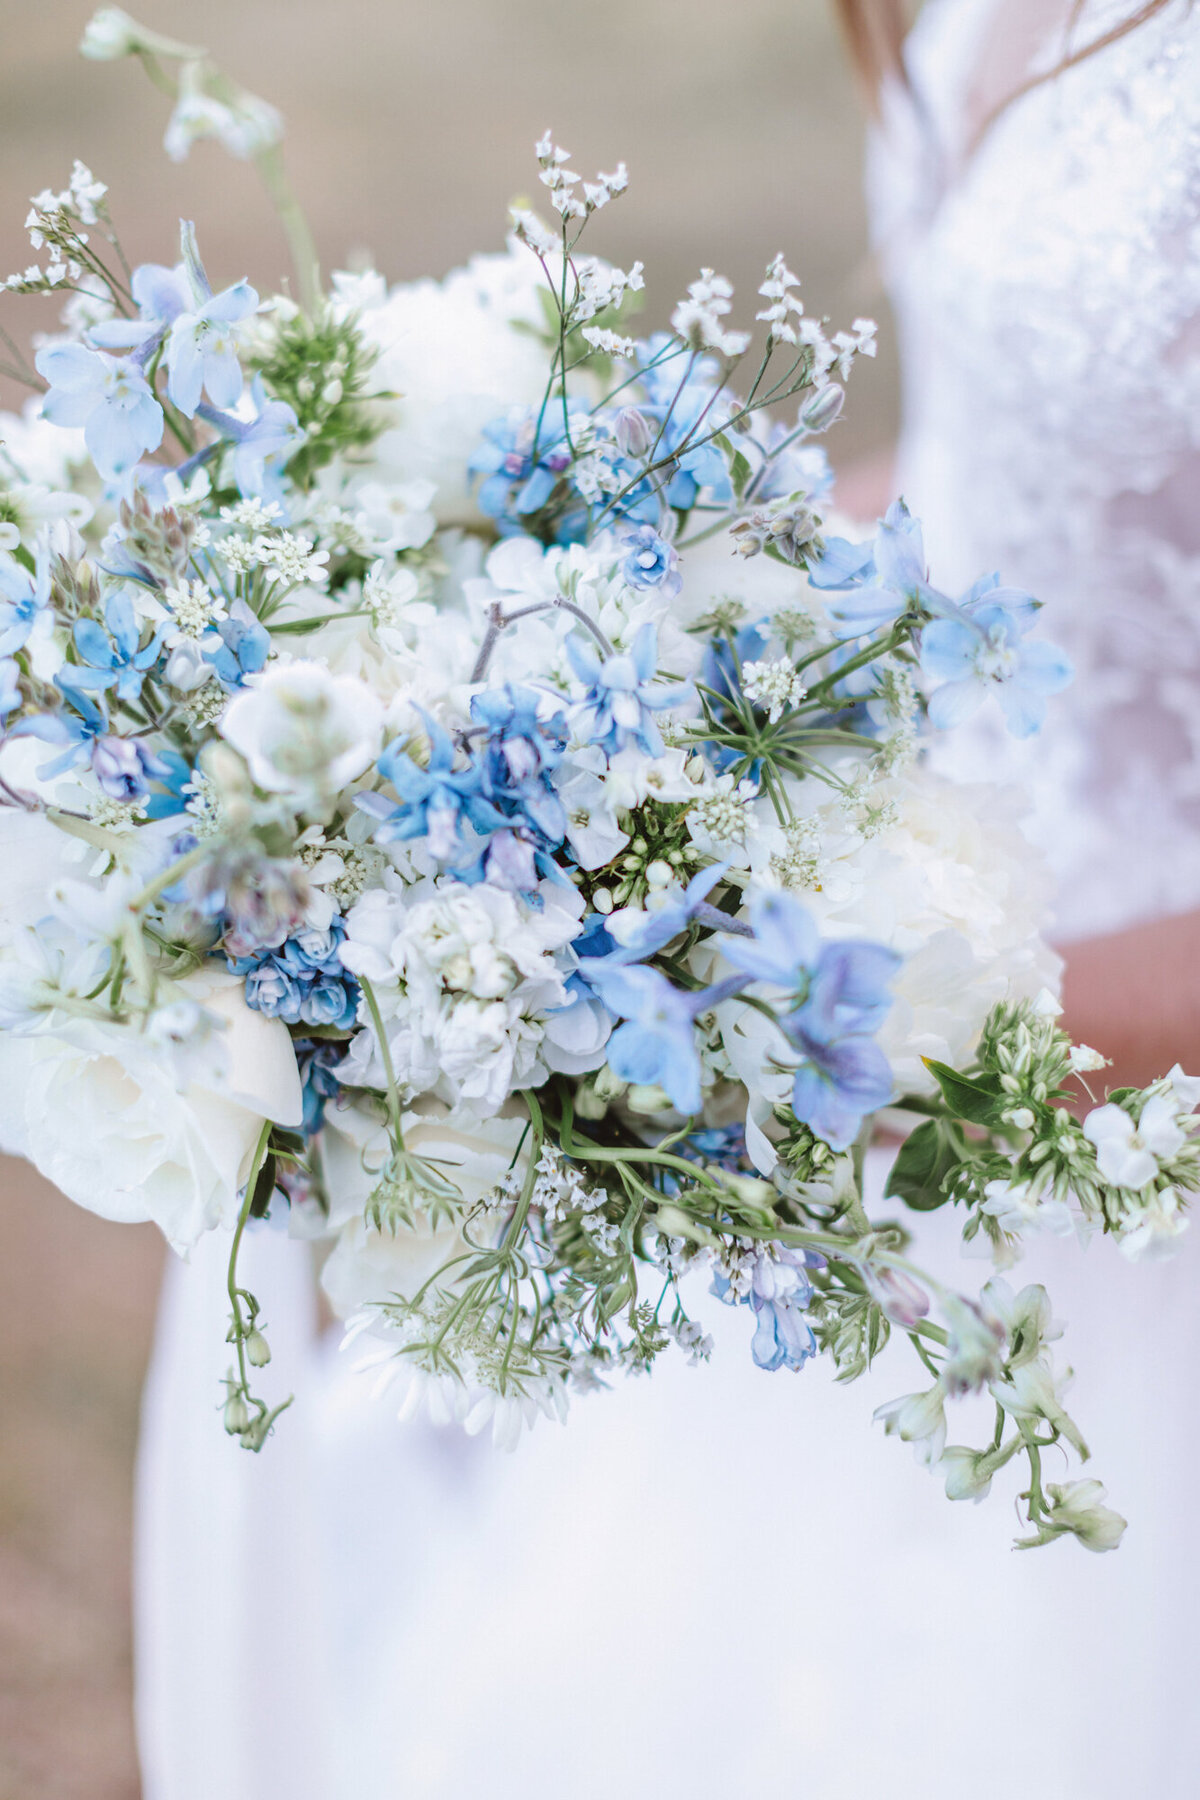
(464, 978)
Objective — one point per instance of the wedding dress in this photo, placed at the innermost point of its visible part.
(719, 1581)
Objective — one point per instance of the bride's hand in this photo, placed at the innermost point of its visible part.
(1135, 996)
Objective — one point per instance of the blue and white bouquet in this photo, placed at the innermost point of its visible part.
(461, 790)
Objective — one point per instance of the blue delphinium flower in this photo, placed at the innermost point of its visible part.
(261, 445)
(981, 651)
(436, 801)
(179, 305)
(622, 695)
(899, 578)
(654, 928)
(651, 562)
(237, 646)
(837, 998)
(520, 754)
(524, 459)
(303, 981)
(109, 396)
(114, 659)
(656, 1046)
(779, 1291)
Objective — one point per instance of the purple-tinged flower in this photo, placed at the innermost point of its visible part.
(521, 752)
(261, 445)
(837, 998)
(982, 652)
(621, 695)
(109, 396)
(124, 767)
(779, 1291)
(639, 934)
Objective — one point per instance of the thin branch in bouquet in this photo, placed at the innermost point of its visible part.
(247, 1417)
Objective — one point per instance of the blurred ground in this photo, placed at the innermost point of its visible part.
(411, 127)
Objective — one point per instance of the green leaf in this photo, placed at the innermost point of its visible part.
(739, 474)
(927, 1156)
(980, 1100)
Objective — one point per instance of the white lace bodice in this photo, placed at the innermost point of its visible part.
(1047, 293)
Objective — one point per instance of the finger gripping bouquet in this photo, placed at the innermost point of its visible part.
(462, 789)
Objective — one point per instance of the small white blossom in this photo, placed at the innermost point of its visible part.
(698, 318)
(1128, 1155)
(1084, 1060)
(291, 559)
(609, 343)
(773, 684)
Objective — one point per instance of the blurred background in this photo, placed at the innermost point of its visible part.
(410, 128)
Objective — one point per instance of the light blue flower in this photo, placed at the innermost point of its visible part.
(107, 395)
(520, 755)
(651, 563)
(179, 304)
(24, 601)
(621, 699)
(261, 445)
(237, 646)
(302, 982)
(655, 929)
(112, 659)
(982, 651)
(656, 1046)
(524, 459)
(898, 580)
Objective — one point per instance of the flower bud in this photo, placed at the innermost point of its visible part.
(824, 407)
(237, 1415)
(258, 1351)
(634, 433)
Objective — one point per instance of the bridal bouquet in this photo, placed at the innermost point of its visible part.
(461, 789)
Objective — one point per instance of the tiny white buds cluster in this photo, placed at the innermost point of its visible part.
(698, 318)
(783, 304)
(773, 685)
(563, 182)
(291, 559)
(608, 343)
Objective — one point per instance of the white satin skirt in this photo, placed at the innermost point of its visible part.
(710, 1584)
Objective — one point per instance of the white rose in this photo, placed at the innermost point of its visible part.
(97, 1110)
(304, 732)
(450, 351)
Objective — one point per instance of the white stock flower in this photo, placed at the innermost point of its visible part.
(304, 732)
(1127, 1154)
